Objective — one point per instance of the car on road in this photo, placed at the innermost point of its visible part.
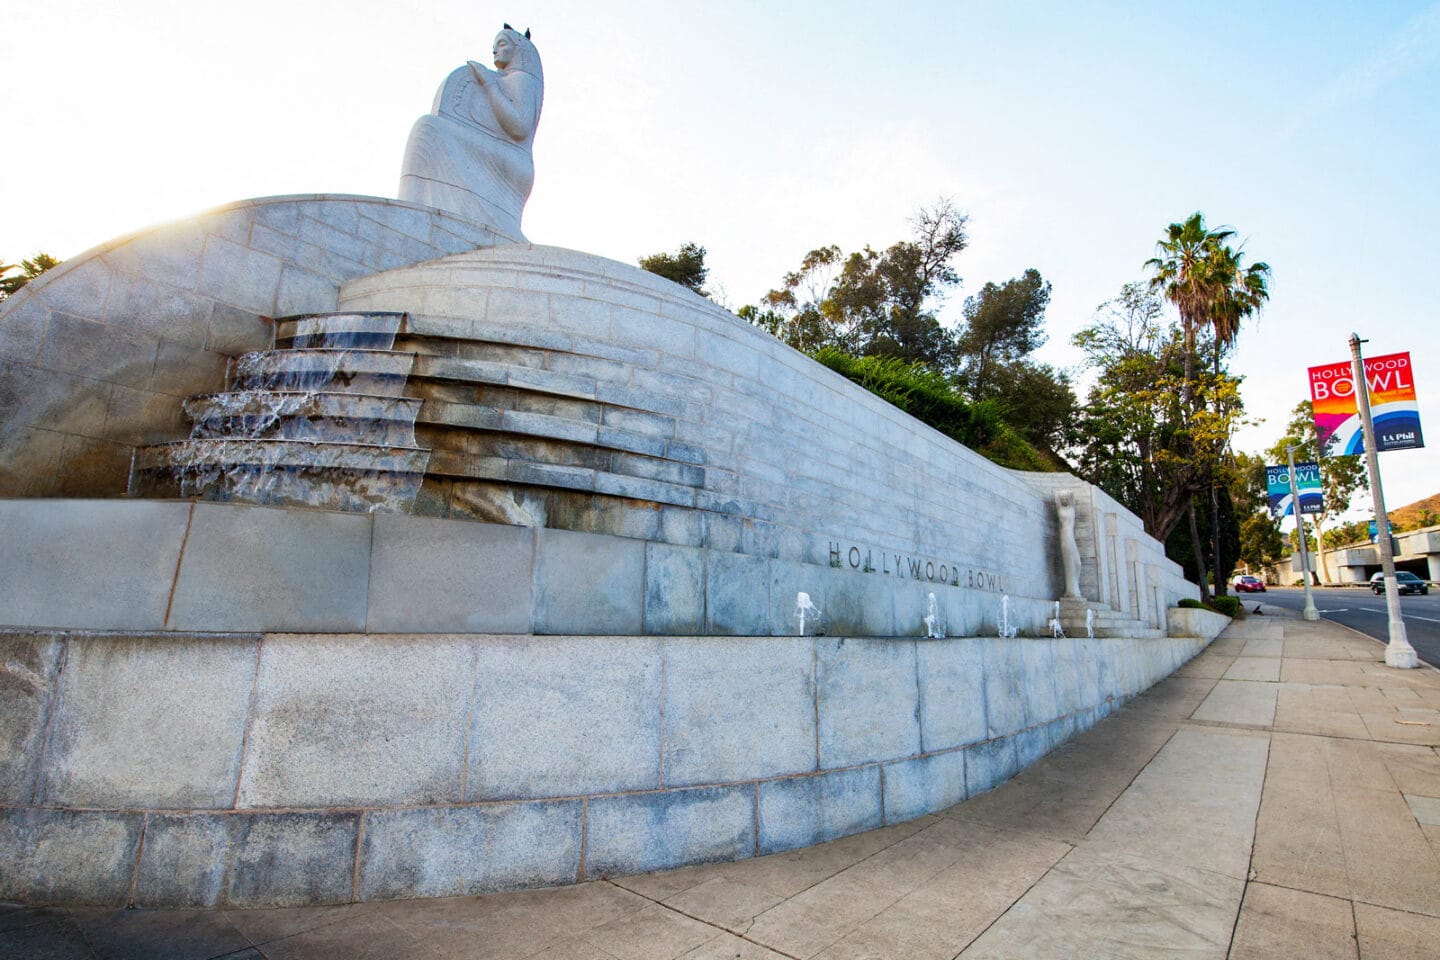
(1248, 584)
(1404, 579)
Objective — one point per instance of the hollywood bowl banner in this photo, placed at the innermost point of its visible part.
(1307, 482)
(1392, 405)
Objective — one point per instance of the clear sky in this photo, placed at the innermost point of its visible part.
(1071, 133)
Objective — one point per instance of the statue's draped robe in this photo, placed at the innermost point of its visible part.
(459, 158)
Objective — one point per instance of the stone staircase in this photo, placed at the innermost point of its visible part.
(1108, 622)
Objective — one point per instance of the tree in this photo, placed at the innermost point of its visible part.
(1240, 291)
(1260, 541)
(29, 270)
(1141, 445)
(1340, 477)
(1003, 324)
(874, 303)
(1212, 289)
(883, 305)
(685, 266)
(1356, 531)
(1184, 271)
(931, 398)
(1037, 400)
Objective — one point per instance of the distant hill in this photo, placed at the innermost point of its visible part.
(1421, 513)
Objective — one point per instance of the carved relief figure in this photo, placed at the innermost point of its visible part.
(471, 155)
(1069, 551)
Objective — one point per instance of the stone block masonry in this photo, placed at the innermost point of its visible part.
(551, 389)
(155, 566)
(183, 770)
(573, 649)
(96, 354)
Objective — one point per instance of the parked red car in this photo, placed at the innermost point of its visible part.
(1249, 584)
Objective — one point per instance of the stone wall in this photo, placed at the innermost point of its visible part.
(256, 770)
(564, 391)
(177, 566)
(96, 354)
(749, 446)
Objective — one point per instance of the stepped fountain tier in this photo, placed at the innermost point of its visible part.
(356, 548)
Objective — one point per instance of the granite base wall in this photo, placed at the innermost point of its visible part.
(240, 770)
(176, 566)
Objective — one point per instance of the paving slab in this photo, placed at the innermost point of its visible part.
(1298, 842)
(1064, 794)
(1103, 904)
(1269, 646)
(1264, 669)
(1322, 710)
(1208, 665)
(142, 934)
(1194, 804)
(957, 904)
(1280, 924)
(1239, 702)
(1394, 934)
(650, 932)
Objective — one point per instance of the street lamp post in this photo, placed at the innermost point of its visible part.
(1398, 652)
(1310, 613)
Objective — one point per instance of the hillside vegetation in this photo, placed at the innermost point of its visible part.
(928, 397)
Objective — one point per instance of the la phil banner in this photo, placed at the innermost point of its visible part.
(1307, 483)
(1392, 405)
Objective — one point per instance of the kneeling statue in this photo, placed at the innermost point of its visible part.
(471, 155)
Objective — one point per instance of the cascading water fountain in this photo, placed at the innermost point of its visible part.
(319, 421)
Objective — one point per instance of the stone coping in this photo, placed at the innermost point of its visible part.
(1194, 622)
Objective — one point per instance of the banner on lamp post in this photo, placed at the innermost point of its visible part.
(1392, 406)
(1307, 482)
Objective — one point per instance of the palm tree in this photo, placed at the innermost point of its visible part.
(1206, 280)
(1240, 291)
(1185, 272)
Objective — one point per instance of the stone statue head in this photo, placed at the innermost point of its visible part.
(514, 51)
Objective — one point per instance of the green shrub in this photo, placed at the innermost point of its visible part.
(1189, 603)
(1230, 606)
(928, 397)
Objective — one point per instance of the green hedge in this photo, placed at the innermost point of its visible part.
(1230, 606)
(928, 397)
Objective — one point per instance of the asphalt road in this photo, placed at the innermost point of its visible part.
(1358, 608)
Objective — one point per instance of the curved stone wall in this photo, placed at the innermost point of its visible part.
(567, 390)
(260, 770)
(558, 390)
(97, 354)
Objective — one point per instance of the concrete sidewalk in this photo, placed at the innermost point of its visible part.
(1278, 797)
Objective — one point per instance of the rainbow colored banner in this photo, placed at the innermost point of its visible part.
(1392, 406)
